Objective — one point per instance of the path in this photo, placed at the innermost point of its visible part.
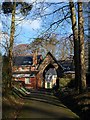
(41, 104)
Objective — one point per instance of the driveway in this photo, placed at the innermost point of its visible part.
(44, 105)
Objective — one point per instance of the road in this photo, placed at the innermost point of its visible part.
(44, 105)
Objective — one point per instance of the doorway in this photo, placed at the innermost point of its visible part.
(50, 76)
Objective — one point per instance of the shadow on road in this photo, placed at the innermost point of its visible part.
(44, 110)
(42, 96)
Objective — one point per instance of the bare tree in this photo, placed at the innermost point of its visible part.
(12, 33)
(4, 43)
(82, 83)
(10, 7)
(79, 57)
(76, 44)
(45, 44)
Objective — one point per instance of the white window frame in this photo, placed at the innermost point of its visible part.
(27, 80)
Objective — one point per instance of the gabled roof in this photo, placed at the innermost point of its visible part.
(68, 65)
(24, 60)
(49, 53)
(28, 60)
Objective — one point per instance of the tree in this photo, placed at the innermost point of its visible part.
(64, 15)
(4, 43)
(60, 15)
(86, 11)
(88, 44)
(82, 83)
(12, 32)
(21, 49)
(45, 44)
(10, 7)
(76, 44)
(65, 47)
(79, 57)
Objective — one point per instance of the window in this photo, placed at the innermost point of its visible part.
(32, 75)
(27, 81)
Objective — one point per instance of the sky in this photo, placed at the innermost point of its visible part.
(32, 26)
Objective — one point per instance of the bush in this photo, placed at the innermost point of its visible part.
(63, 82)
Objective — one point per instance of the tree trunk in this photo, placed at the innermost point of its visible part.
(82, 83)
(88, 71)
(12, 32)
(76, 44)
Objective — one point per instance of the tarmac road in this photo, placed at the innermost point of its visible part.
(49, 107)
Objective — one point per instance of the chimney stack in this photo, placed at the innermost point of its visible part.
(35, 57)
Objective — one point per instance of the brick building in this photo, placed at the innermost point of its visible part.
(35, 72)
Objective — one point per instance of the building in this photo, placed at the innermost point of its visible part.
(49, 72)
(35, 72)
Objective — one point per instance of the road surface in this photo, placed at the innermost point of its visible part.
(42, 105)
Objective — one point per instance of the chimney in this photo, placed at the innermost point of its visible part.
(35, 57)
